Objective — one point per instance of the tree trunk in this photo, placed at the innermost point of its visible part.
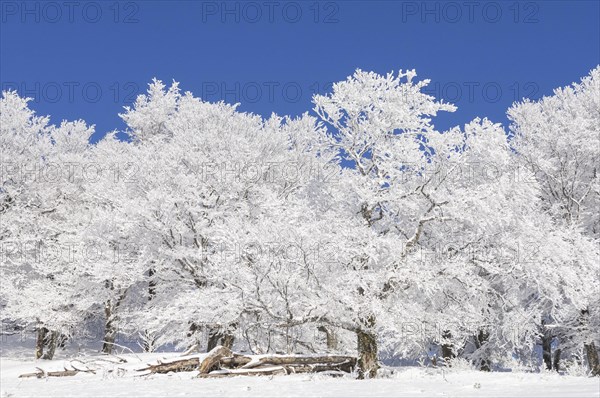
(332, 343)
(547, 349)
(111, 322)
(148, 341)
(216, 337)
(227, 340)
(367, 351)
(592, 356)
(110, 329)
(447, 349)
(151, 284)
(557, 360)
(62, 340)
(51, 342)
(480, 339)
(148, 338)
(40, 341)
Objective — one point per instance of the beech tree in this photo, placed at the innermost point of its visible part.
(381, 124)
(558, 142)
(41, 192)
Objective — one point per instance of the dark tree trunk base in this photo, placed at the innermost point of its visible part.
(218, 337)
(556, 363)
(480, 340)
(592, 356)
(367, 351)
(51, 343)
(547, 350)
(447, 349)
(40, 342)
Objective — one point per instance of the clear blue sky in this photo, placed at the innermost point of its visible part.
(88, 59)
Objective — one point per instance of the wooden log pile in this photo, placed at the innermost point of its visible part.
(222, 362)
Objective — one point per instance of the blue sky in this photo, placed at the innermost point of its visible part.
(88, 59)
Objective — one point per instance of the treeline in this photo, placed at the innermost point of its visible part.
(358, 229)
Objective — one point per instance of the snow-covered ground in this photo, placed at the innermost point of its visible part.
(121, 380)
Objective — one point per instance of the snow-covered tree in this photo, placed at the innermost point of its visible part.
(558, 142)
(382, 125)
(41, 192)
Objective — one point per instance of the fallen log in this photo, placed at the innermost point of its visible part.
(346, 367)
(299, 360)
(241, 365)
(59, 373)
(213, 358)
(222, 362)
(180, 365)
(266, 371)
(189, 364)
(235, 361)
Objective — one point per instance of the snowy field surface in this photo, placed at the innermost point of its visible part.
(121, 380)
